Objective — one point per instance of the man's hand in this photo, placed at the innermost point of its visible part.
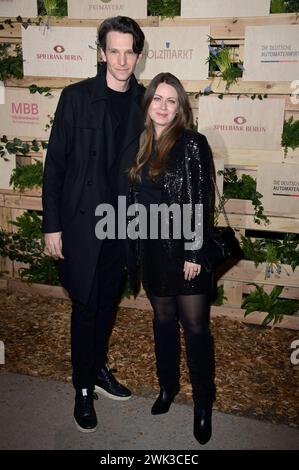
(53, 244)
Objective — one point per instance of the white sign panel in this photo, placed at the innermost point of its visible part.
(25, 114)
(241, 124)
(14, 8)
(279, 184)
(105, 8)
(224, 8)
(182, 51)
(59, 52)
(271, 53)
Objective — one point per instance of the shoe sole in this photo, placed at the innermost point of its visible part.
(106, 394)
(84, 429)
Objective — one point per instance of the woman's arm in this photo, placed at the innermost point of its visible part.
(198, 194)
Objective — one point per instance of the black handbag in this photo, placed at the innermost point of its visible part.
(222, 245)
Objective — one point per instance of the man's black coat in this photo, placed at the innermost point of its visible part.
(80, 154)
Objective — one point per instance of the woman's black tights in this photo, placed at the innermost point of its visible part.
(193, 312)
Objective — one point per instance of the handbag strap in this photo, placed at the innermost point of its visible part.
(221, 203)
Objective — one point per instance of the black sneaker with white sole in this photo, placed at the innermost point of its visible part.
(107, 385)
(84, 413)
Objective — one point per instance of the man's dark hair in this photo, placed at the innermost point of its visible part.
(122, 24)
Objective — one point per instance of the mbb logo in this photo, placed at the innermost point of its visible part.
(24, 108)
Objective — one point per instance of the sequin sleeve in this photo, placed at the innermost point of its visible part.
(198, 192)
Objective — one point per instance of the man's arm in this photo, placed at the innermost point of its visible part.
(59, 147)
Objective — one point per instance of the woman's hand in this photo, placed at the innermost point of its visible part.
(191, 270)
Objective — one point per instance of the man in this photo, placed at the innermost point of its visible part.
(93, 142)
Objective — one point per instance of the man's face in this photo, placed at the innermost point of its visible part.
(120, 58)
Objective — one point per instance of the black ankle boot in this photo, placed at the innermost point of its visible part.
(203, 424)
(163, 402)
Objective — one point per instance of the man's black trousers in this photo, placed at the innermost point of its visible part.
(91, 324)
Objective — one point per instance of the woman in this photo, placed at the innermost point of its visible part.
(173, 167)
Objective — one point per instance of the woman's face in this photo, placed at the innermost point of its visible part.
(164, 107)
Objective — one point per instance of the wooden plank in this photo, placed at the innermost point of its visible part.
(241, 87)
(245, 271)
(14, 214)
(287, 293)
(277, 224)
(222, 28)
(27, 192)
(192, 86)
(233, 292)
(23, 202)
(5, 217)
(1, 199)
(245, 206)
(15, 32)
(255, 318)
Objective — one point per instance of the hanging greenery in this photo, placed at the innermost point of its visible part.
(276, 308)
(272, 252)
(27, 176)
(17, 146)
(11, 61)
(221, 63)
(41, 90)
(290, 135)
(165, 8)
(243, 188)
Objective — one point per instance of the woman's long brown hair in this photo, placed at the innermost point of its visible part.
(169, 136)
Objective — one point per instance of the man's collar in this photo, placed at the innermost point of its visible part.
(100, 85)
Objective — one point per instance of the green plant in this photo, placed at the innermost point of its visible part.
(276, 308)
(165, 9)
(11, 61)
(284, 6)
(27, 176)
(52, 7)
(291, 6)
(221, 63)
(220, 297)
(243, 188)
(290, 135)
(27, 246)
(272, 252)
(277, 6)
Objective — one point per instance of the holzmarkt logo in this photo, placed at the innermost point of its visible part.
(105, 1)
(59, 49)
(239, 120)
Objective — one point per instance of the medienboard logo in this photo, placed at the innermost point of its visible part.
(24, 113)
